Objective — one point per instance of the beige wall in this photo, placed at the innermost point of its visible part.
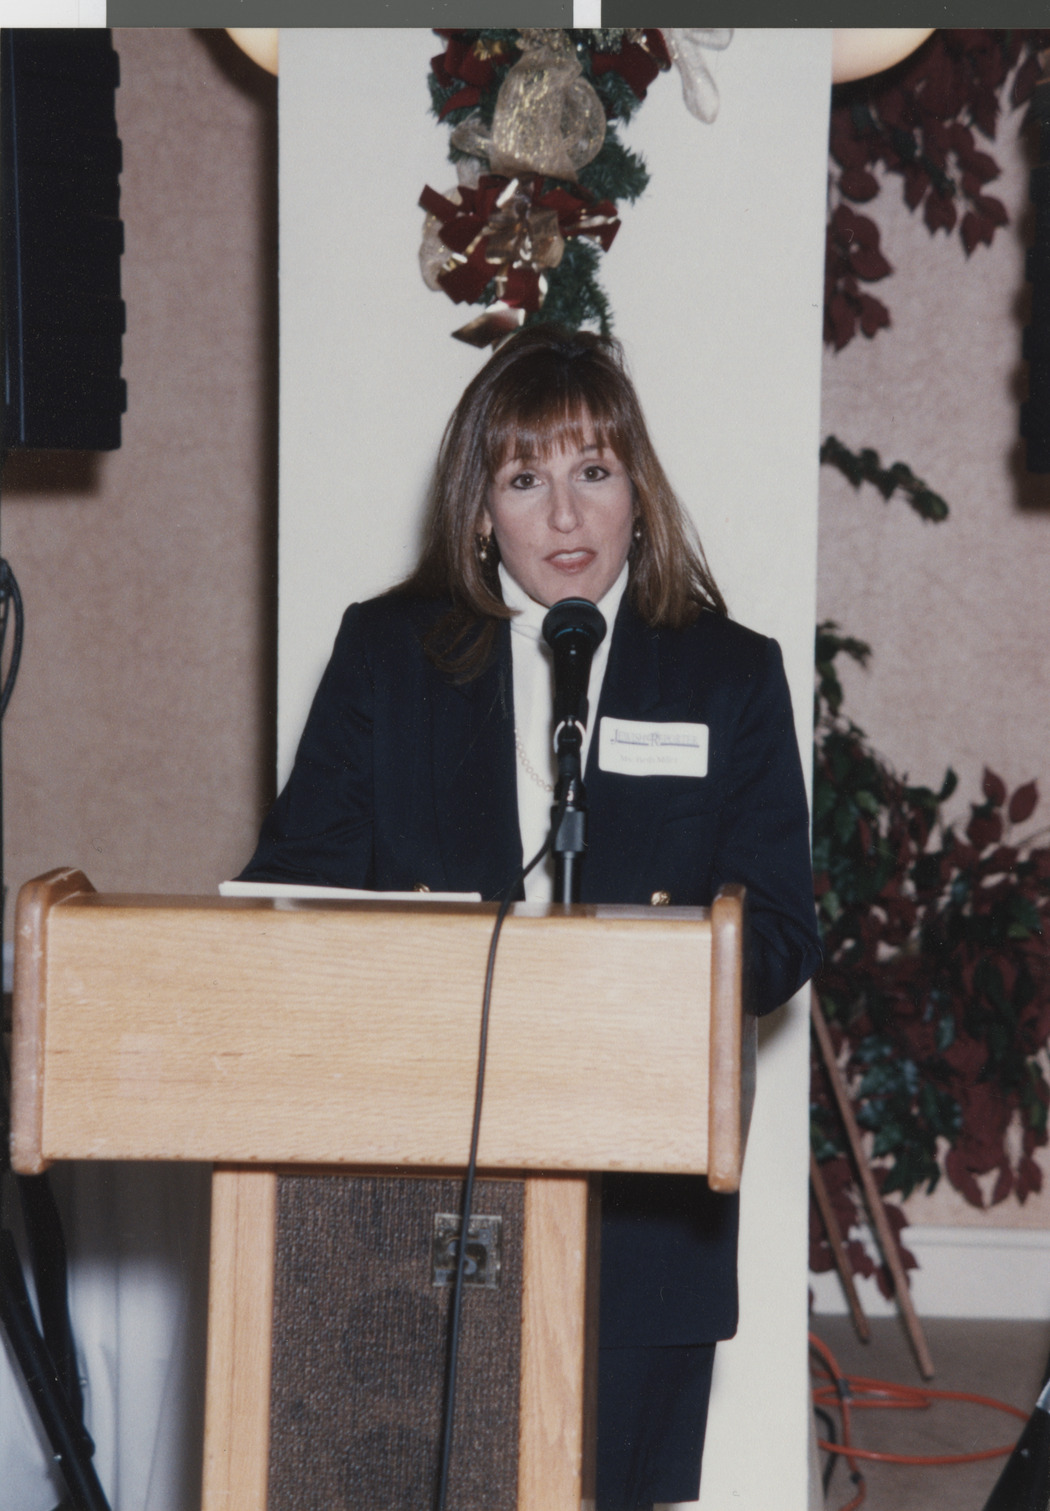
(137, 743)
(957, 614)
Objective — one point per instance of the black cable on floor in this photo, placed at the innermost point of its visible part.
(828, 1422)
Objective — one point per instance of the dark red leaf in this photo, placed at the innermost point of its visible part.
(983, 167)
(858, 184)
(1027, 77)
(993, 787)
(939, 212)
(860, 1260)
(1003, 859)
(937, 140)
(821, 1258)
(1023, 803)
(961, 1179)
(841, 322)
(1029, 1178)
(964, 856)
(983, 831)
(895, 108)
(985, 1120)
(985, 113)
(869, 264)
(916, 182)
(975, 230)
(866, 232)
(873, 315)
(967, 1057)
(847, 148)
(993, 210)
(1003, 1186)
(937, 91)
(960, 139)
(842, 223)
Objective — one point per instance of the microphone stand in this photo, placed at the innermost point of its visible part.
(573, 627)
(570, 840)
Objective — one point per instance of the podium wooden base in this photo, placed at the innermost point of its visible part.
(326, 1346)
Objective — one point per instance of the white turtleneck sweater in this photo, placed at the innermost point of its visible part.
(533, 701)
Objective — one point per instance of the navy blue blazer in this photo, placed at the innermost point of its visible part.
(404, 778)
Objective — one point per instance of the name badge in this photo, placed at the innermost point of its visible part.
(636, 748)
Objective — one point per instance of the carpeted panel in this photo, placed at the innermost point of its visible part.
(359, 1350)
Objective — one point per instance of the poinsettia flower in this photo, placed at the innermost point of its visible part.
(471, 65)
(637, 62)
(507, 230)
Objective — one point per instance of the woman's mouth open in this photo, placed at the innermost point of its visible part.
(571, 561)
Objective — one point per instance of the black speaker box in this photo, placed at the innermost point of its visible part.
(61, 240)
(359, 1343)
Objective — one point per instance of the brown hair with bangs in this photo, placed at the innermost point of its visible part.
(545, 388)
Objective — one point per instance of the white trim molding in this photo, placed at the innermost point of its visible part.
(1001, 1273)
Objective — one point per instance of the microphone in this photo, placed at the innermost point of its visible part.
(574, 628)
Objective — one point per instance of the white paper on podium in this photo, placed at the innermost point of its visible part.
(293, 891)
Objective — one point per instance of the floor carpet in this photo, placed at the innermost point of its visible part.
(1005, 1360)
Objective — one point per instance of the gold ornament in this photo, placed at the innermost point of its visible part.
(485, 48)
(519, 234)
(492, 326)
(548, 118)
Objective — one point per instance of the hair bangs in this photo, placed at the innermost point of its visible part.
(530, 423)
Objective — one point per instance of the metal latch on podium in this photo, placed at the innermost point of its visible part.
(484, 1249)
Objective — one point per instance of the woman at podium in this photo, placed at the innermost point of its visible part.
(426, 762)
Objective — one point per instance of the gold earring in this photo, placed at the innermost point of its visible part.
(481, 545)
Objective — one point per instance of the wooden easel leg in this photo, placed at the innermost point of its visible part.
(240, 1328)
(553, 1344)
(838, 1248)
(887, 1241)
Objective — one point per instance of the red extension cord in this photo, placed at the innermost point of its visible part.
(851, 1393)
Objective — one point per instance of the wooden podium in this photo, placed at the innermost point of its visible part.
(271, 1037)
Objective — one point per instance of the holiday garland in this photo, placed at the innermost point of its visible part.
(534, 115)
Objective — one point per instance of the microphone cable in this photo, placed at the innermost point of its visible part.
(452, 1360)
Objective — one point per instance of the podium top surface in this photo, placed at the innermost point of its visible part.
(307, 1032)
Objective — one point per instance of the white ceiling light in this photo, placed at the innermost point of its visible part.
(259, 42)
(858, 51)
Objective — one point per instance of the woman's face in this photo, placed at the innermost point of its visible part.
(563, 524)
